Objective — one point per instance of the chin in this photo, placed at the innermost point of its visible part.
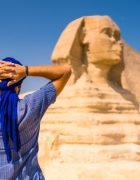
(117, 60)
(114, 60)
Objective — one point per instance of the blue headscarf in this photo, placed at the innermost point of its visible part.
(8, 113)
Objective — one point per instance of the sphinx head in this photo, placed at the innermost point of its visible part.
(92, 42)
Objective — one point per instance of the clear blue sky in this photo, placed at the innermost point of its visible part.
(29, 29)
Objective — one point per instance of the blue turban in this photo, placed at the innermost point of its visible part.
(8, 113)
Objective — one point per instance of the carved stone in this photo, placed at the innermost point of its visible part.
(93, 129)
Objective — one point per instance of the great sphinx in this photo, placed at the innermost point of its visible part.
(96, 118)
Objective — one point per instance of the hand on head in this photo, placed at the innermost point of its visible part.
(7, 70)
(13, 71)
(20, 73)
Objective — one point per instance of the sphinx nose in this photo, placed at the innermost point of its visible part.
(118, 47)
(113, 39)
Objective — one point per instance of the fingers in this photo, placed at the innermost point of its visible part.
(6, 62)
(11, 71)
(6, 69)
(2, 66)
(11, 82)
(6, 75)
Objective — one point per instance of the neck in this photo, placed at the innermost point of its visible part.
(98, 72)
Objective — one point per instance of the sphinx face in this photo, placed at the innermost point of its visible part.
(103, 43)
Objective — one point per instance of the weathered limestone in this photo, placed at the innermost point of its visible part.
(93, 129)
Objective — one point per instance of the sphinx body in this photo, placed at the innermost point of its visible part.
(95, 122)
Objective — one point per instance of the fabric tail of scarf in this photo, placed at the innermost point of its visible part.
(9, 126)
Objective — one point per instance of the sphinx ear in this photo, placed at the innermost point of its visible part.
(68, 48)
(68, 44)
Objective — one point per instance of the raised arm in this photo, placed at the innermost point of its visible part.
(59, 74)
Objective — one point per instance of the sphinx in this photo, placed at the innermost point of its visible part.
(94, 125)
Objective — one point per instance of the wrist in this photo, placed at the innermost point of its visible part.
(26, 71)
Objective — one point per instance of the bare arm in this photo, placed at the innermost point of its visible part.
(52, 72)
(59, 74)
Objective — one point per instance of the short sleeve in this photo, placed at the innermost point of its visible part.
(40, 100)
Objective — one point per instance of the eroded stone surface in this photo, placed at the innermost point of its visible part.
(93, 129)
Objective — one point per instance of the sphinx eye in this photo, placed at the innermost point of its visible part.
(107, 31)
(117, 35)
